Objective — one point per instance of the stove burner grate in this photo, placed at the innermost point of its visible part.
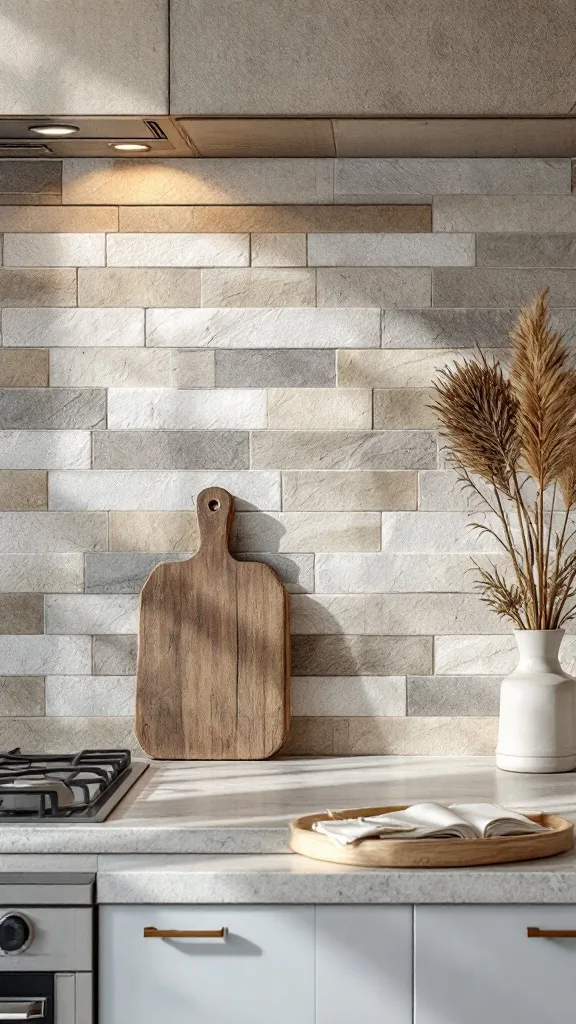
(40, 786)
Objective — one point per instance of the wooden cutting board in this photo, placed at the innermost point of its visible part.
(213, 675)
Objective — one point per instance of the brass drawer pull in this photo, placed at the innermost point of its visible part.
(191, 933)
(540, 933)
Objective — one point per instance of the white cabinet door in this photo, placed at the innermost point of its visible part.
(476, 964)
(263, 973)
(364, 965)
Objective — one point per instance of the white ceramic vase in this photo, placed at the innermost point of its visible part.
(537, 729)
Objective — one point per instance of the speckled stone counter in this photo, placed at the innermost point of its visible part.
(244, 807)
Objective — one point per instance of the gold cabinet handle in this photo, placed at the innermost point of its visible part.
(554, 933)
(189, 933)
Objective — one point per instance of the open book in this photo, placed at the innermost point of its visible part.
(431, 821)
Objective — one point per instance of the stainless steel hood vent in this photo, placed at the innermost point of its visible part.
(94, 138)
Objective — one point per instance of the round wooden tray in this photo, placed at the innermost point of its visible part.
(429, 853)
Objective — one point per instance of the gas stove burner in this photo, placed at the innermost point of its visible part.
(64, 787)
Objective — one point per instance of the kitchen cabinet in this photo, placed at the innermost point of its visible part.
(280, 964)
(476, 964)
(71, 57)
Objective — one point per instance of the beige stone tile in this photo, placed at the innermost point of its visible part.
(258, 287)
(56, 249)
(280, 250)
(391, 287)
(42, 573)
(407, 573)
(344, 450)
(21, 613)
(412, 614)
(352, 491)
(391, 250)
(24, 368)
(58, 218)
(21, 696)
(185, 182)
(319, 409)
(517, 213)
(53, 735)
(36, 287)
(153, 531)
(139, 286)
(314, 736)
(68, 328)
(351, 655)
(395, 368)
(275, 218)
(418, 736)
(23, 490)
(137, 368)
(337, 696)
(404, 409)
(306, 531)
(365, 179)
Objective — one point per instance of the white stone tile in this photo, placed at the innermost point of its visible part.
(362, 696)
(178, 250)
(41, 573)
(44, 449)
(45, 328)
(194, 182)
(45, 655)
(53, 531)
(398, 368)
(373, 180)
(169, 409)
(488, 655)
(91, 613)
(319, 409)
(397, 573)
(285, 250)
(263, 328)
(306, 531)
(396, 614)
(122, 490)
(391, 250)
(448, 532)
(55, 250)
(90, 696)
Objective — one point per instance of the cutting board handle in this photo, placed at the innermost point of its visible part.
(215, 508)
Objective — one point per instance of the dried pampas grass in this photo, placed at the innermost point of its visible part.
(503, 430)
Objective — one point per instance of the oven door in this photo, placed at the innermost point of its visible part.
(25, 996)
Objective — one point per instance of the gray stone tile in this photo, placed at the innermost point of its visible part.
(348, 491)
(446, 328)
(505, 213)
(448, 696)
(171, 449)
(360, 655)
(395, 250)
(258, 287)
(183, 182)
(404, 409)
(335, 696)
(198, 409)
(44, 449)
(21, 696)
(263, 328)
(138, 286)
(90, 696)
(414, 614)
(53, 531)
(374, 286)
(72, 328)
(41, 655)
(52, 408)
(41, 177)
(37, 286)
(44, 573)
(344, 450)
(21, 613)
(85, 614)
(525, 250)
(295, 571)
(286, 368)
(114, 655)
(117, 573)
(365, 180)
(501, 287)
(306, 531)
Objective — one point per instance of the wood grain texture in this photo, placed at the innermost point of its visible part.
(429, 853)
(213, 668)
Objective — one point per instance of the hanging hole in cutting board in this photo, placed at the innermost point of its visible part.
(214, 505)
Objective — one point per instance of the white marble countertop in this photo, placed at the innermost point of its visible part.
(244, 807)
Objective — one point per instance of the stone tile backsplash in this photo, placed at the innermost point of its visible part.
(272, 327)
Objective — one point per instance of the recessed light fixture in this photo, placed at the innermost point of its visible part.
(129, 147)
(54, 130)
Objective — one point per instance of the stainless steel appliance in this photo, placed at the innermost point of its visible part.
(66, 788)
(46, 947)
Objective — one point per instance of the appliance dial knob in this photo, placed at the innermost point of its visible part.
(16, 933)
